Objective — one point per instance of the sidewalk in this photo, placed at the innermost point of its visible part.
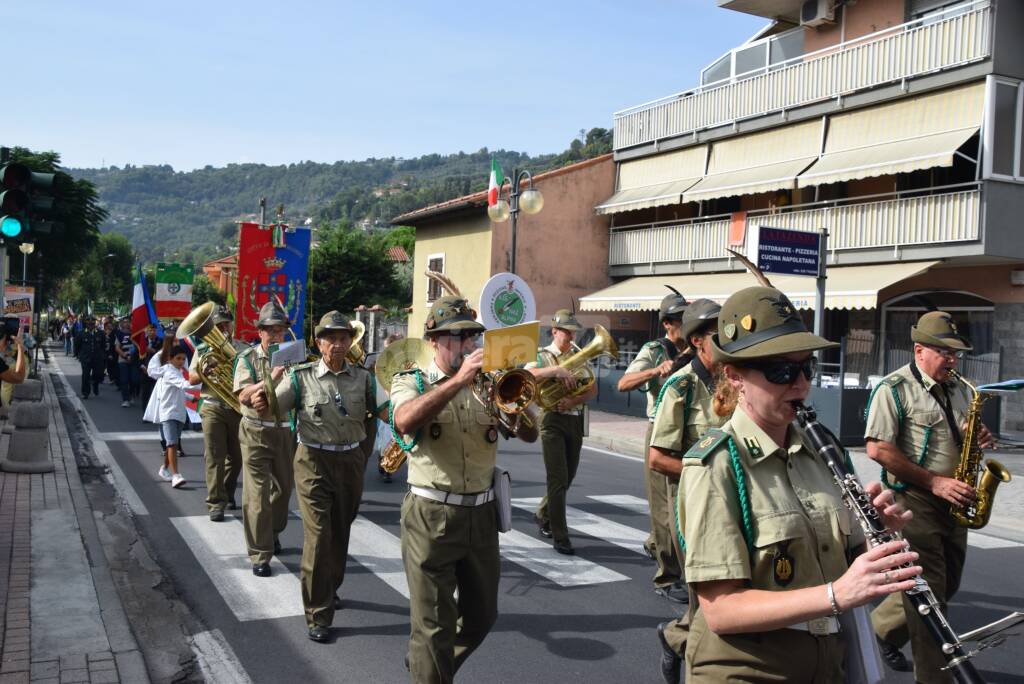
(63, 620)
(624, 434)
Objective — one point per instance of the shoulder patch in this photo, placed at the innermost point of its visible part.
(246, 351)
(651, 344)
(303, 366)
(707, 444)
(893, 380)
(407, 371)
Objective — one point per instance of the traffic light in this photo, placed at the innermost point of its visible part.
(24, 202)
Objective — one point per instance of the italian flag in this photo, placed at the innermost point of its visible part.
(173, 290)
(497, 178)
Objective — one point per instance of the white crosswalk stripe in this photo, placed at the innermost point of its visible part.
(220, 549)
(987, 541)
(565, 571)
(624, 536)
(380, 552)
(633, 504)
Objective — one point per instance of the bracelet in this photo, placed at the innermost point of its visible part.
(832, 599)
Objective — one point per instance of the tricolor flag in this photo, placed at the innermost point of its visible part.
(173, 290)
(142, 311)
(497, 178)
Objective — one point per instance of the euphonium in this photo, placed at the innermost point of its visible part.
(356, 354)
(507, 394)
(984, 477)
(199, 325)
(552, 390)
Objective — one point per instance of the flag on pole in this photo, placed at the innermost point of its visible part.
(173, 290)
(143, 312)
(497, 178)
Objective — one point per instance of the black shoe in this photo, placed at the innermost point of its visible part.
(336, 602)
(674, 592)
(217, 515)
(261, 569)
(543, 526)
(671, 663)
(564, 548)
(231, 504)
(893, 656)
(319, 634)
(277, 547)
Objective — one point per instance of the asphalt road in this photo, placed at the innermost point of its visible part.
(588, 618)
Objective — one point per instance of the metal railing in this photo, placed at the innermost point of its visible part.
(960, 36)
(892, 220)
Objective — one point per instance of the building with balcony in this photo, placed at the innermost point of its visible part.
(893, 126)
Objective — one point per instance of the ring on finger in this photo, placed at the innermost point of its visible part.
(888, 577)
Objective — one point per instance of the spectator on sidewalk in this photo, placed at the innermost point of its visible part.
(167, 407)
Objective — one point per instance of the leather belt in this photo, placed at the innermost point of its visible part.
(265, 423)
(822, 626)
(330, 447)
(214, 402)
(469, 500)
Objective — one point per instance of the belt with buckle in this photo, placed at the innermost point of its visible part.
(469, 500)
(265, 423)
(214, 402)
(822, 626)
(330, 447)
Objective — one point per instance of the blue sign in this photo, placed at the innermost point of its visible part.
(788, 252)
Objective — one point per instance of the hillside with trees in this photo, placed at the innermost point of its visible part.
(190, 216)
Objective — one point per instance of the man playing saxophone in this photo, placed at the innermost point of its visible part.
(915, 424)
(561, 431)
(449, 517)
(220, 426)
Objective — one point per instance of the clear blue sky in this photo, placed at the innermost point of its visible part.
(223, 81)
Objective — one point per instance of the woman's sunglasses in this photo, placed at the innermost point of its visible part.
(781, 372)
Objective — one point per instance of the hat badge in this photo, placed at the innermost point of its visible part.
(747, 322)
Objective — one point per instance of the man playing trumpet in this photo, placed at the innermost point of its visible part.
(449, 517)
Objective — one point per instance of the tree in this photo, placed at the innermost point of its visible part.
(203, 290)
(347, 269)
(106, 274)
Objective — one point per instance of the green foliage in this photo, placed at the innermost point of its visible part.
(78, 210)
(105, 274)
(350, 268)
(203, 290)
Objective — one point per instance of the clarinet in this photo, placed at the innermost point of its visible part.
(876, 533)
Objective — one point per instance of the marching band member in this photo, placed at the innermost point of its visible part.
(765, 529)
(449, 518)
(913, 431)
(267, 445)
(333, 401)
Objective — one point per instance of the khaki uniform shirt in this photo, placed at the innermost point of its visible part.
(651, 355)
(796, 511)
(461, 458)
(247, 372)
(919, 413)
(331, 408)
(205, 392)
(543, 362)
(685, 412)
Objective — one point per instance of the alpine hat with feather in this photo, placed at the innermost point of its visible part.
(450, 312)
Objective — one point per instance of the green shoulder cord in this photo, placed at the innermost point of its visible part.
(900, 415)
(293, 414)
(742, 494)
(391, 419)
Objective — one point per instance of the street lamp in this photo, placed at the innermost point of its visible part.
(529, 200)
(26, 249)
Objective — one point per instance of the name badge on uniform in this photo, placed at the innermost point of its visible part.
(782, 565)
(435, 430)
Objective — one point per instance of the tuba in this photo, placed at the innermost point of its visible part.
(552, 390)
(356, 354)
(984, 477)
(199, 325)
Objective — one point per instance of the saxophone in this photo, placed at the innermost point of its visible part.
(984, 477)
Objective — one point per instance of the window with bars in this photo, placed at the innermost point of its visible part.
(435, 262)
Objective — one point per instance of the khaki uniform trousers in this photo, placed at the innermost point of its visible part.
(447, 548)
(266, 485)
(942, 545)
(662, 507)
(561, 437)
(223, 454)
(329, 485)
(677, 631)
(782, 656)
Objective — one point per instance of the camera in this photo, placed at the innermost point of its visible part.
(12, 326)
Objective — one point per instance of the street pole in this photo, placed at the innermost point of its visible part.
(819, 300)
(513, 207)
(528, 200)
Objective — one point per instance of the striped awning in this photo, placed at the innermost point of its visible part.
(848, 287)
(908, 135)
(656, 181)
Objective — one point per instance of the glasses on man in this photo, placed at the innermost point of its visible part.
(782, 372)
(945, 353)
(463, 334)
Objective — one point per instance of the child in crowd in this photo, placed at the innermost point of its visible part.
(167, 405)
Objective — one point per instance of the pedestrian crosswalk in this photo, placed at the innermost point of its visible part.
(220, 550)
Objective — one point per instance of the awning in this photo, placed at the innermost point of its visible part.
(656, 181)
(848, 287)
(908, 135)
(758, 162)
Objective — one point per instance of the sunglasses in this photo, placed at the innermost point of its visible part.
(782, 372)
(463, 334)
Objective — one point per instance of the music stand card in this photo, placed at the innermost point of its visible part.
(510, 347)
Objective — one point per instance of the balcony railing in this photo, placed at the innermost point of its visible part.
(887, 221)
(960, 36)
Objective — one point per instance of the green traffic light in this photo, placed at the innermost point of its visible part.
(10, 226)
